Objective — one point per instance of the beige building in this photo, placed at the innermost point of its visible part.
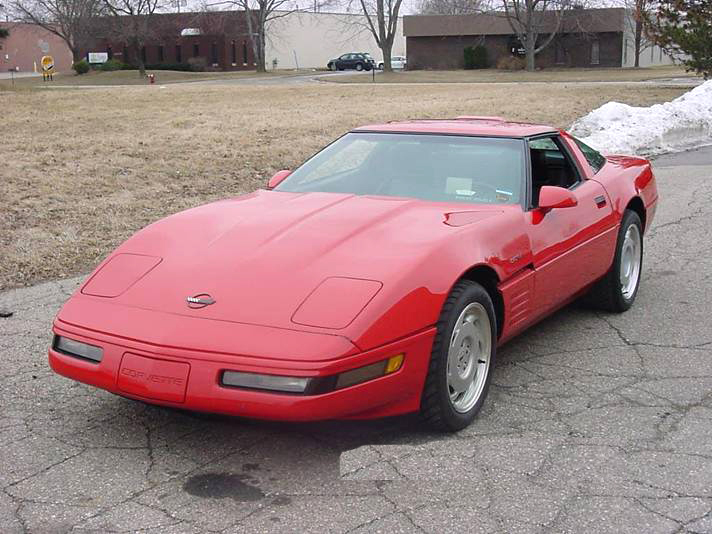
(310, 40)
(650, 54)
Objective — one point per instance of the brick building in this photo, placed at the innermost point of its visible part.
(220, 38)
(299, 39)
(586, 38)
(27, 43)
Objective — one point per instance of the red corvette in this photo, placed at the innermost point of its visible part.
(376, 279)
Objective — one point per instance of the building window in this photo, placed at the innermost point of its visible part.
(161, 57)
(143, 55)
(109, 53)
(233, 54)
(560, 53)
(127, 57)
(595, 52)
(244, 52)
(179, 54)
(196, 50)
(625, 51)
(214, 53)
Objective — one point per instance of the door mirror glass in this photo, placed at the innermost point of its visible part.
(552, 197)
(277, 179)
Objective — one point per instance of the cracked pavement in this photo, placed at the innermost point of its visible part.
(594, 422)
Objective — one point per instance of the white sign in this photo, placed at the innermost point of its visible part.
(98, 57)
(189, 31)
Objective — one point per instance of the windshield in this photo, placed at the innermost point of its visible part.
(439, 168)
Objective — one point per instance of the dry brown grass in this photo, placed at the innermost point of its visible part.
(82, 170)
(500, 76)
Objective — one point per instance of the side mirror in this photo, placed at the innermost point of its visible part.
(277, 179)
(551, 197)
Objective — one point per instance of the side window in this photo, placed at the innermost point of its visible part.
(595, 159)
(543, 143)
(551, 165)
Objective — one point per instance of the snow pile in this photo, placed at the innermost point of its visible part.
(617, 128)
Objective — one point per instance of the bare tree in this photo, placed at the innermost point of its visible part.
(531, 19)
(381, 20)
(4, 14)
(133, 24)
(638, 13)
(258, 15)
(450, 7)
(70, 20)
(4, 32)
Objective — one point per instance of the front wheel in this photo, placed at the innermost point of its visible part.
(460, 363)
(616, 291)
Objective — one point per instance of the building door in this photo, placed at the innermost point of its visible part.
(595, 52)
(560, 53)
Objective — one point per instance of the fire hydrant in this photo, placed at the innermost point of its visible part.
(151, 78)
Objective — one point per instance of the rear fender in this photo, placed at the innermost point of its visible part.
(629, 181)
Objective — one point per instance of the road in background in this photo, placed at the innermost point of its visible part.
(7, 75)
(595, 423)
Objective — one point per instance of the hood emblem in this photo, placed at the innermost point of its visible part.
(199, 301)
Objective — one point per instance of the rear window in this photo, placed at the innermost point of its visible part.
(595, 159)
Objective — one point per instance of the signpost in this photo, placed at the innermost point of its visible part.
(47, 68)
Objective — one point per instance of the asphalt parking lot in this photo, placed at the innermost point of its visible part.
(595, 423)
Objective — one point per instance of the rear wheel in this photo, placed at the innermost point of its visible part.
(616, 291)
(359, 67)
(464, 348)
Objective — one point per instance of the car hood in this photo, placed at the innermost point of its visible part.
(260, 257)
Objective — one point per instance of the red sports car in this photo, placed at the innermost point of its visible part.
(376, 279)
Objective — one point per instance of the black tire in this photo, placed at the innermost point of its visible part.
(436, 407)
(607, 294)
(331, 66)
(359, 67)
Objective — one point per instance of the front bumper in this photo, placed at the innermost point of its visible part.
(191, 379)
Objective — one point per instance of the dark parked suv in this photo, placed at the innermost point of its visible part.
(356, 60)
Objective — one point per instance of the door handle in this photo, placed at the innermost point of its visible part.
(600, 201)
